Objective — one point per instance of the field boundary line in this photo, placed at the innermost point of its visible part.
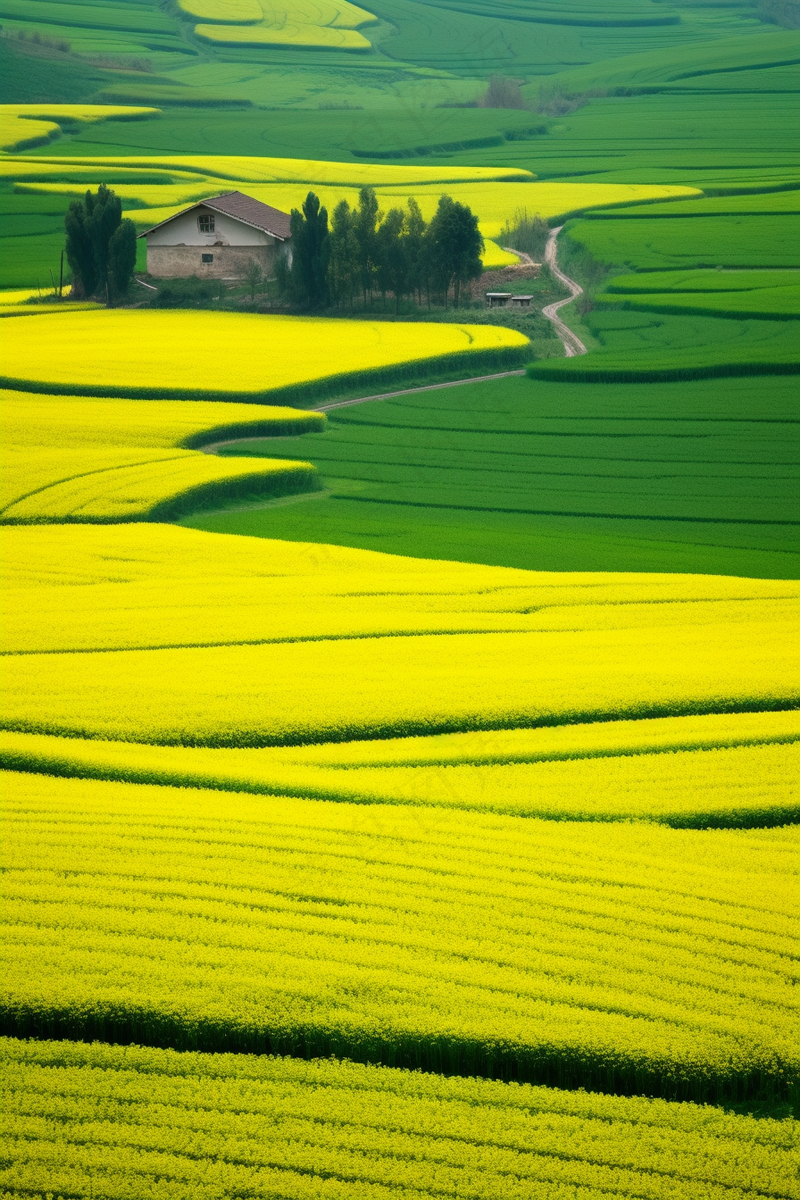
(428, 387)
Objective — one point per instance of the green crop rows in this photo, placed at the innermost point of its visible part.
(686, 476)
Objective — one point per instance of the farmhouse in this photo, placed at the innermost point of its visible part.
(218, 238)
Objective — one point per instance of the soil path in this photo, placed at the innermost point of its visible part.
(213, 447)
(573, 346)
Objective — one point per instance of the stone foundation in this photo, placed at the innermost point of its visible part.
(227, 262)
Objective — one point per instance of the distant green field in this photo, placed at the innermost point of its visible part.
(638, 344)
(703, 281)
(711, 206)
(779, 303)
(677, 477)
(330, 135)
(658, 242)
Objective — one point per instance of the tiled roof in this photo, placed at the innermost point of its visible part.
(242, 208)
(263, 216)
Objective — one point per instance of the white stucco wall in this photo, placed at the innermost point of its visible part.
(185, 231)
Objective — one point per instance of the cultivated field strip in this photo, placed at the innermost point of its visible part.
(26, 123)
(394, 647)
(691, 475)
(180, 1126)
(78, 490)
(176, 355)
(632, 957)
(39, 421)
(602, 772)
(260, 695)
(82, 460)
(92, 588)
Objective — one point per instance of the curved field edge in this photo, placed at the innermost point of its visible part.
(284, 1113)
(271, 482)
(417, 370)
(563, 370)
(255, 485)
(632, 959)
(737, 784)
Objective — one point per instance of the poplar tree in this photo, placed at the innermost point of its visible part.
(418, 270)
(455, 247)
(365, 229)
(343, 265)
(392, 254)
(310, 253)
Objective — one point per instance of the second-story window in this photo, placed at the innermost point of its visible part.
(205, 223)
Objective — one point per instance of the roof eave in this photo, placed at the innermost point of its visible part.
(260, 228)
(204, 203)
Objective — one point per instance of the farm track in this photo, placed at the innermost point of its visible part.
(573, 346)
(214, 447)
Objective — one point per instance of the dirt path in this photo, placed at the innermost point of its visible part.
(573, 346)
(213, 447)
(429, 387)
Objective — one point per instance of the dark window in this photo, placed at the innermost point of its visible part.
(205, 223)
(207, 257)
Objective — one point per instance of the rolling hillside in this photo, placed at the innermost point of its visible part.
(400, 799)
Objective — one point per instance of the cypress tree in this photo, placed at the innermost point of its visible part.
(90, 225)
(79, 250)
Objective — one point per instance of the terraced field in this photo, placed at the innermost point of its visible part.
(178, 353)
(153, 189)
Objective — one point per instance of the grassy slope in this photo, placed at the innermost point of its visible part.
(679, 477)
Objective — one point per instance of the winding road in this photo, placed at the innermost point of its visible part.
(573, 346)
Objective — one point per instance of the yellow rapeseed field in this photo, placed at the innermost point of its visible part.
(293, 33)
(66, 459)
(32, 419)
(21, 123)
(639, 774)
(495, 256)
(225, 11)
(494, 194)
(324, 24)
(282, 1126)
(255, 169)
(208, 354)
(337, 13)
(407, 935)
(423, 648)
